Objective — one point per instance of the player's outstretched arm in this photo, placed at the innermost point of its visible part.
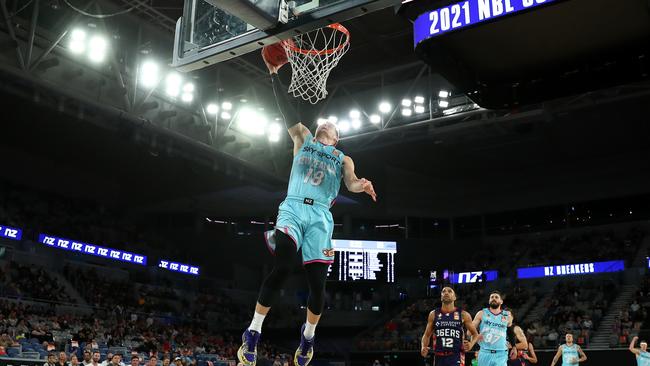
(355, 184)
(426, 337)
(469, 324)
(557, 356)
(297, 130)
(583, 356)
(633, 348)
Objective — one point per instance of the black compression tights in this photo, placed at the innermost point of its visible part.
(316, 275)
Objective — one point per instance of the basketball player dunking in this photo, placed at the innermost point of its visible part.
(494, 324)
(641, 353)
(304, 221)
(570, 352)
(448, 325)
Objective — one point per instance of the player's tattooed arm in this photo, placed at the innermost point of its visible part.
(354, 184)
(428, 332)
(583, 356)
(557, 356)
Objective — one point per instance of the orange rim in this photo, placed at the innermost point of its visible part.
(288, 43)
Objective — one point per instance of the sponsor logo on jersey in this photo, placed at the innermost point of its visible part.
(328, 252)
(456, 316)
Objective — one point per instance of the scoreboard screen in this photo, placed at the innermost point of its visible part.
(356, 260)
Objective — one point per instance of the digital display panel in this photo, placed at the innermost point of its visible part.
(571, 269)
(10, 233)
(467, 13)
(178, 267)
(91, 249)
(363, 260)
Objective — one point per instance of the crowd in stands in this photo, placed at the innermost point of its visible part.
(574, 307)
(594, 245)
(23, 281)
(634, 317)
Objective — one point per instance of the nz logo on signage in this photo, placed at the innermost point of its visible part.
(470, 277)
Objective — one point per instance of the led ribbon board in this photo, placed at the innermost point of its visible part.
(90, 249)
(178, 267)
(10, 233)
(467, 13)
(571, 269)
(472, 277)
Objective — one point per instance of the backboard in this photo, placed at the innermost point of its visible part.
(212, 31)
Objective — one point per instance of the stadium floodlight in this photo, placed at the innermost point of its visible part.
(321, 121)
(356, 124)
(375, 119)
(149, 71)
(187, 97)
(344, 126)
(251, 122)
(274, 137)
(419, 99)
(275, 129)
(443, 104)
(173, 84)
(385, 107)
(77, 43)
(97, 47)
(406, 103)
(226, 115)
(212, 108)
(188, 88)
(226, 106)
(443, 94)
(243, 100)
(355, 114)
(419, 109)
(332, 119)
(407, 112)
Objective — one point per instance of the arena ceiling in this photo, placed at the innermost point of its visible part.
(583, 147)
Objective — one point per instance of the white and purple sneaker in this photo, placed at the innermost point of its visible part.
(247, 353)
(305, 352)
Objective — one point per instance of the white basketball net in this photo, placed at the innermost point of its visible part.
(312, 57)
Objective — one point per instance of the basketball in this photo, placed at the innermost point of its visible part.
(275, 54)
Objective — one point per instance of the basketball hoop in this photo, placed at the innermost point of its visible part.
(312, 56)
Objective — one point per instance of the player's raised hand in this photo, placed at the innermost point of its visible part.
(273, 69)
(424, 351)
(368, 188)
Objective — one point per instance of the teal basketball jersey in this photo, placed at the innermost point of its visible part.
(494, 329)
(643, 359)
(316, 172)
(569, 353)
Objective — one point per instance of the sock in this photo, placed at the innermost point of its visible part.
(256, 324)
(310, 330)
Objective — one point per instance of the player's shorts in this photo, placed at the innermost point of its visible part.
(492, 358)
(455, 359)
(310, 225)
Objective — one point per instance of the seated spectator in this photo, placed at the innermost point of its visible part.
(63, 359)
(51, 359)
